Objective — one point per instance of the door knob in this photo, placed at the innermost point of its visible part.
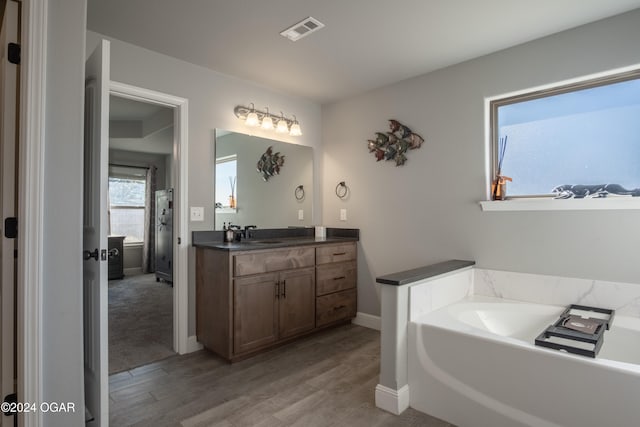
(87, 255)
(114, 252)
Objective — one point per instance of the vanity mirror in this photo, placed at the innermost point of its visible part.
(244, 197)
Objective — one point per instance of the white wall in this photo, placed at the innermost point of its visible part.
(427, 210)
(212, 97)
(62, 364)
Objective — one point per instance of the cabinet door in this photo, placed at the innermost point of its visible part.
(297, 301)
(255, 312)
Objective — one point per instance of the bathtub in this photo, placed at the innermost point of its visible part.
(473, 363)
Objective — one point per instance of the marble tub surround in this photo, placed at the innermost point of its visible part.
(407, 302)
(556, 290)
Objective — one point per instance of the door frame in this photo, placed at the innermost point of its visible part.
(180, 177)
(31, 206)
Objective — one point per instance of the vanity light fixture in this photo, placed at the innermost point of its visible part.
(264, 119)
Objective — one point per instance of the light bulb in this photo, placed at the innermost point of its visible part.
(267, 121)
(252, 119)
(283, 127)
(295, 129)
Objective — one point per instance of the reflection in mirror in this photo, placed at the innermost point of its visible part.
(243, 197)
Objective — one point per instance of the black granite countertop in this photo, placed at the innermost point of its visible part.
(411, 276)
(285, 242)
(274, 238)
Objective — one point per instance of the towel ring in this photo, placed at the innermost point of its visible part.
(341, 190)
(299, 192)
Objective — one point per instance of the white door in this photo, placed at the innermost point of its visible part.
(8, 196)
(96, 152)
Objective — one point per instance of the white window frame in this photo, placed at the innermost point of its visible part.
(547, 202)
(225, 208)
(115, 207)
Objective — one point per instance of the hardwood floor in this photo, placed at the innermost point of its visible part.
(327, 379)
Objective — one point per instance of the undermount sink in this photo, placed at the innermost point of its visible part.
(263, 242)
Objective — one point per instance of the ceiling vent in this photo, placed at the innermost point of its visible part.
(302, 29)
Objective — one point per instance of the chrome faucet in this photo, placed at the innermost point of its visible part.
(247, 231)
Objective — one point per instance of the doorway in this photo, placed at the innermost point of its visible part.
(140, 270)
(178, 173)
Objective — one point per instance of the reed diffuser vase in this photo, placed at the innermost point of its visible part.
(499, 184)
(232, 197)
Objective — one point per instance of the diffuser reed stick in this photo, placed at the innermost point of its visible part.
(232, 184)
(500, 180)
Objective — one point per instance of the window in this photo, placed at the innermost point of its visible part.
(585, 134)
(226, 189)
(127, 203)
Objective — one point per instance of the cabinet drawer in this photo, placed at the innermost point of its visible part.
(336, 277)
(276, 260)
(335, 253)
(334, 307)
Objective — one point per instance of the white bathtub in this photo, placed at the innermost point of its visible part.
(473, 363)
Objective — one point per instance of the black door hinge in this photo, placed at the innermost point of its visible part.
(14, 53)
(11, 227)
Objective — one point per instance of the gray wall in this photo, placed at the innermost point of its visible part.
(427, 210)
(212, 97)
(62, 364)
(133, 158)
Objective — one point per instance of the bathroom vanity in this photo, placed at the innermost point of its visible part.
(259, 293)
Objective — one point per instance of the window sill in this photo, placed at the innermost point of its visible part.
(226, 210)
(544, 204)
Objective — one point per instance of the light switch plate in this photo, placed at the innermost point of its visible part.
(300, 214)
(343, 214)
(197, 213)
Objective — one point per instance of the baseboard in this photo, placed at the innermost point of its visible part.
(367, 320)
(193, 344)
(390, 400)
(132, 271)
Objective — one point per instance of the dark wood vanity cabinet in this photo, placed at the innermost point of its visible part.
(336, 278)
(248, 301)
(271, 307)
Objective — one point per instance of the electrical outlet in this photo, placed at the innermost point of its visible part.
(300, 214)
(343, 214)
(197, 213)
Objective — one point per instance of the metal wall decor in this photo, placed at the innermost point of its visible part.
(270, 164)
(299, 192)
(393, 145)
